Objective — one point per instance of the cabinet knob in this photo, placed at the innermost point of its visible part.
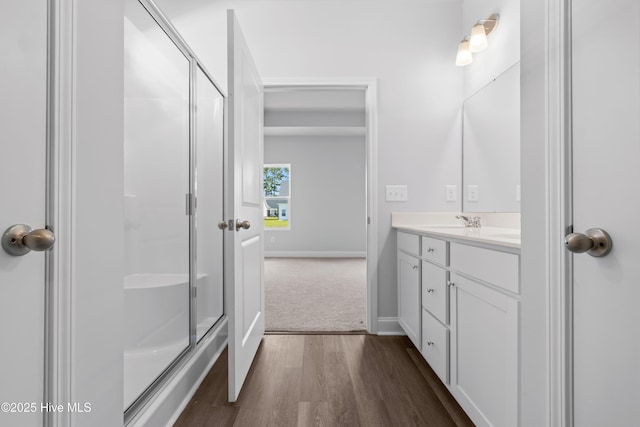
(415, 267)
(430, 249)
(431, 290)
(450, 283)
(429, 343)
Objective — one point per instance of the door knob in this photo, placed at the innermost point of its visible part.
(595, 242)
(20, 239)
(245, 225)
(222, 225)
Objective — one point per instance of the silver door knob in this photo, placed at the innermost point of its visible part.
(20, 239)
(596, 242)
(245, 225)
(222, 225)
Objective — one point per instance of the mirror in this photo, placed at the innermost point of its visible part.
(491, 146)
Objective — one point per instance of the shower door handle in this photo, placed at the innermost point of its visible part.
(20, 239)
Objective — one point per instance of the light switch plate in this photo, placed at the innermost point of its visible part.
(396, 193)
(472, 193)
(451, 193)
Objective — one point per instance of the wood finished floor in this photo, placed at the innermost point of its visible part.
(328, 380)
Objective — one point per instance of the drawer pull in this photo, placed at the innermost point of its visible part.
(450, 283)
(430, 249)
(431, 290)
(429, 343)
(415, 267)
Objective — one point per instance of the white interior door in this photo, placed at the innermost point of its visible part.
(606, 175)
(23, 85)
(245, 290)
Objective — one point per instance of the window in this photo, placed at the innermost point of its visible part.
(277, 195)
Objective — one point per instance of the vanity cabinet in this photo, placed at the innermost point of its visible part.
(467, 308)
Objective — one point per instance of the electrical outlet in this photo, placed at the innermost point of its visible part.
(396, 193)
(472, 193)
(451, 193)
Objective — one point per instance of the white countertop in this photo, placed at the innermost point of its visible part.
(498, 228)
(508, 237)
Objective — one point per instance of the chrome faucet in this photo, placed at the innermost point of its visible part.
(469, 221)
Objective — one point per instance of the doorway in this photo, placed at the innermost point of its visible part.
(316, 151)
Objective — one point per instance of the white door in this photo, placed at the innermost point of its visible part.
(606, 177)
(23, 89)
(245, 282)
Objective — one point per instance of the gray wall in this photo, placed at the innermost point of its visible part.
(328, 204)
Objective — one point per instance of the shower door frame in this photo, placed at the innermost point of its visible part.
(194, 64)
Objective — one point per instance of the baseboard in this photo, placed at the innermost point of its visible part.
(389, 326)
(315, 254)
(165, 408)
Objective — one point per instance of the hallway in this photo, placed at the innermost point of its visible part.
(332, 380)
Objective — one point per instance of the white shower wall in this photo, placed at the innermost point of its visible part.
(156, 181)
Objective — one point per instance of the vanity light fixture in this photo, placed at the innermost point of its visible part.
(464, 56)
(477, 42)
(478, 39)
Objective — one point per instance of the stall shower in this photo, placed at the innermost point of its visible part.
(173, 193)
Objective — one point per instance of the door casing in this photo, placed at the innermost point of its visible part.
(371, 149)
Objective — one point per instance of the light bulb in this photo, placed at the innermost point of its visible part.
(478, 39)
(464, 56)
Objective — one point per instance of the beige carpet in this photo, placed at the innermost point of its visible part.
(315, 294)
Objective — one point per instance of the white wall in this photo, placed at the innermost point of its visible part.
(408, 45)
(328, 204)
(533, 262)
(97, 265)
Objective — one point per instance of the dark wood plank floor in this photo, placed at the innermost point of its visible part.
(328, 380)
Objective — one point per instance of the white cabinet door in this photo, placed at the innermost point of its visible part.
(245, 280)
(606, 150)
(484, 353)
(409, 296)
(23, 71)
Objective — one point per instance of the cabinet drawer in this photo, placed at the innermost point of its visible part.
(434, 250)
(409, 243)
(435, 345)
(495, 267)
(435, 292)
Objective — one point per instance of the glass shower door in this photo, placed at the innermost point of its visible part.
(209, 194)
(156, 140)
